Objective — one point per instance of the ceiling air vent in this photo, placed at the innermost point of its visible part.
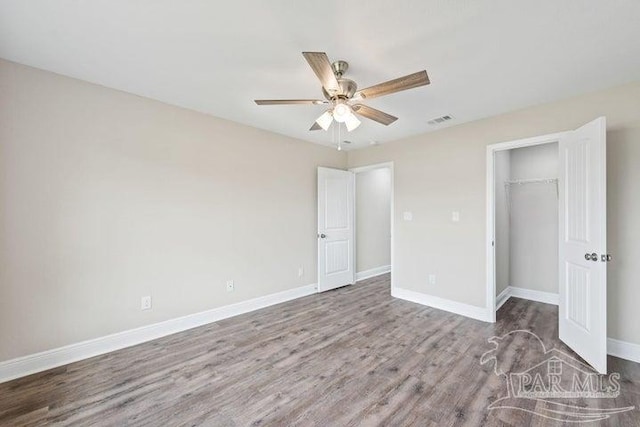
(440, 120)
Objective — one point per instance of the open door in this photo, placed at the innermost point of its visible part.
(583, 243)
(336, 228)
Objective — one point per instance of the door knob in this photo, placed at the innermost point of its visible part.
(322, 236)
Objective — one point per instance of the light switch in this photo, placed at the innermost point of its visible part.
(455, 216)
(407, 216)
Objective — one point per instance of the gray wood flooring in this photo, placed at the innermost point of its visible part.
(349, 357)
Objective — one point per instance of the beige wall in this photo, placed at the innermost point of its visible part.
(373, 219)
(106, 197)
(533, 232)
(443, 171)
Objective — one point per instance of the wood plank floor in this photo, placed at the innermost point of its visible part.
(353, 356)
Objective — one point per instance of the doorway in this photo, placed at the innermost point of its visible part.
(581, 230)
(355, 224)
(374, 220)
(526, 223)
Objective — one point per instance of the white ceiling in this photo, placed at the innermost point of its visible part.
(483, 57)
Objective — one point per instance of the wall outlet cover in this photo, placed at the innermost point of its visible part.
(230, 286)
(407, 216)
(145, 303)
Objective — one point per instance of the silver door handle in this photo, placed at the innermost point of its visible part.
(606, 258)
(591, 257)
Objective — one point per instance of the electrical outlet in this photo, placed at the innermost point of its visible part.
(300, 271)
(230, 286)
(455, 216)
(145, 303)
(432, 279)
(407, 216)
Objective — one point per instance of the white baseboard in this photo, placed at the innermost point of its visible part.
(530, 294)
(623, 350)
(503, 297)
(373, 272)
(538, 296)
(478, 313)
(39, 362)
(26, 365)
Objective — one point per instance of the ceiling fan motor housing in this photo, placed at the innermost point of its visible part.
(348, 88)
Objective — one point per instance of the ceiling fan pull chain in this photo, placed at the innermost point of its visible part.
(333, 133)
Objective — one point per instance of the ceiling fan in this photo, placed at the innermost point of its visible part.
(340, 93)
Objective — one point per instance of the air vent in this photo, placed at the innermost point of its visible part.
(341, 143)
(440, 120)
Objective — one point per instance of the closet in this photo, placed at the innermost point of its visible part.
(526, 215)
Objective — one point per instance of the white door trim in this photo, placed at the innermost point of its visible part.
(366, 168)
(491, 214)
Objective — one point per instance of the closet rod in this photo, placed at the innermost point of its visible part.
(507, 187)
(532, 181)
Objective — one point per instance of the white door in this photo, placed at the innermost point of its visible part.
(583, 243)
(336, 231)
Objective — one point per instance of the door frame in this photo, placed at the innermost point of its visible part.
(491, 207)
(360, 169)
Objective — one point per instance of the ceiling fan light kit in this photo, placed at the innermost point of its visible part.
(325, 120)
(341, 111)
(351, 122)
(339, 92)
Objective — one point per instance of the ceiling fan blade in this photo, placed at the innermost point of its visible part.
(315, 126)
(392, 86)
(373, 114)
(290, 101)
(320, 65)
